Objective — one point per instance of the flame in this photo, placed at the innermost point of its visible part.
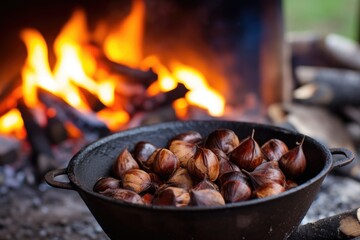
(12, 123)
(124, 43)
(36, 71)
(166, 81)
(72, 61)
(76, 66)
(200, 94)
(181, 106)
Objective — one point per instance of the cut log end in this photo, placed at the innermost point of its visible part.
(350, 226)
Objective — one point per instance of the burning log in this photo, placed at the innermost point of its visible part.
(161, 99)
(145, 78)
(328, 87)
(90, 126)
(133, 75)
(95, 104)
(55, 130)
(342, 226)
(42, 156)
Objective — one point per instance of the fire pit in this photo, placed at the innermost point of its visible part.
(134, 62)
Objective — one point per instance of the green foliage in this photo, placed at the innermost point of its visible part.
(323, 16)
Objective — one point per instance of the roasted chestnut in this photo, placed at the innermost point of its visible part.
(204, 164)
(248, 154)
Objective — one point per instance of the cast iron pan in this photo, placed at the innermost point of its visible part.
(269, 218)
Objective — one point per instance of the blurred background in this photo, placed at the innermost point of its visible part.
(323, 16)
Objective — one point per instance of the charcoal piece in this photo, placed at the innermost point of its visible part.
(55, 130)
(134, 75)
(88, 123)
(161, 99)
(93, 101)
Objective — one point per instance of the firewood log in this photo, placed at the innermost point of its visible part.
(341, 226)
(327, 86)
(88, 123)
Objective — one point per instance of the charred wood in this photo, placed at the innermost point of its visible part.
(88, 123)
(133, 75)
(42, 157)
(145, 78)
(55, 130)
(161, 99)
(94, 102)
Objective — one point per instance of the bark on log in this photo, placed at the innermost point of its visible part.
(342, 226)
(342, 50)
(330, 50)
(328, 87)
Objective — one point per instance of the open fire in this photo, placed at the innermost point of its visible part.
(110, 81)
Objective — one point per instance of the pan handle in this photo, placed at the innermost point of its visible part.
(50, 179)
(339, 162)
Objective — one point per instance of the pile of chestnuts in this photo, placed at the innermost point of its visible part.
(197, 171)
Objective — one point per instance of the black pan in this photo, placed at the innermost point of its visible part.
(269, 218)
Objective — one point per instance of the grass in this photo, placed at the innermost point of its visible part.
(323, 16)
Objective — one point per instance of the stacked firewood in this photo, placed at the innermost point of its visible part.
(325, 100)
(325, 70)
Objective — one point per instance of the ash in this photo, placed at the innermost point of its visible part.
(337, 194)
(29, 212)
(40, 212)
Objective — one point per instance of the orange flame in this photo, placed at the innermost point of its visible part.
(12, 123)
(75, 68)
(200, 94)
(124, 43)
